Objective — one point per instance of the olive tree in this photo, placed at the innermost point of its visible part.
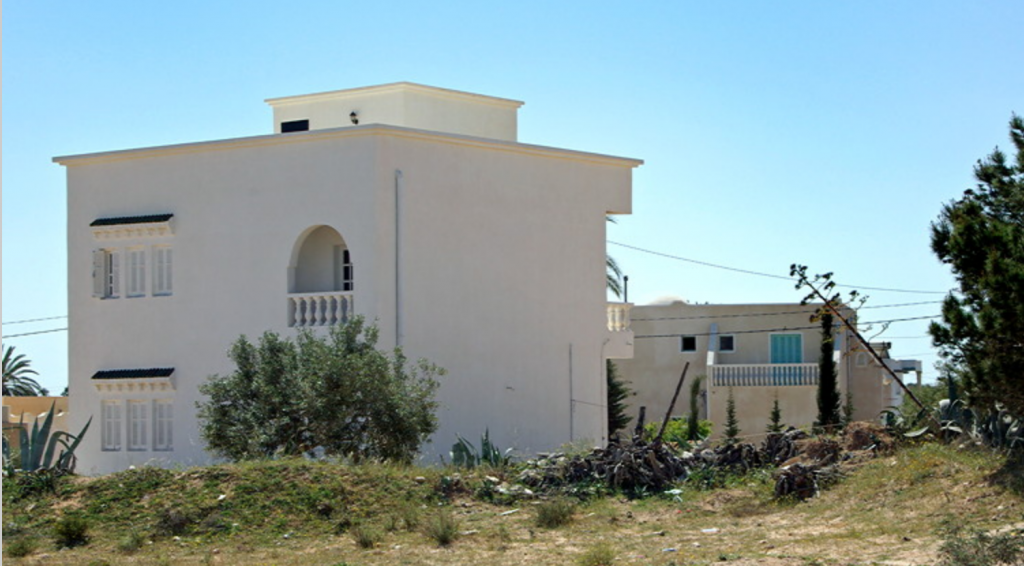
(336, 392)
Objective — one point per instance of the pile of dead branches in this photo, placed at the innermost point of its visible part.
(632, 467)
(806, 464)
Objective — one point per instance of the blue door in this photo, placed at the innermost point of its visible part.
(786, 349)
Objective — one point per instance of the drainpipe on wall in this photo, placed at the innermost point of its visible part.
(398, 256)
(572, 402)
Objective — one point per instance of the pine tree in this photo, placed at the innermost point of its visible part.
(848, 409)
(732, 426)
(981, 237)
(617, 394)
(828, 379)
(775, 420)
(693, 419)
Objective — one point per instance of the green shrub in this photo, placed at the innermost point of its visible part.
(71, 531)
(21, 547)
(962, 547)
(442, 527)
(410, 516)
(600, 555)
(337, 392)
(555, 513)
(173, 522)
(677, 432)
(366, 536)
(131, 542)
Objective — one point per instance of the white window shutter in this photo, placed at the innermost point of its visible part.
(99, 273)
(115, 273)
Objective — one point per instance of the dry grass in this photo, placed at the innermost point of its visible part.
(887, 512)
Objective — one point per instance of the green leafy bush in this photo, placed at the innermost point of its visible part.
(555, 513)
(677, 432)
(131, 542)
(71, 531)
(339, 393)
(366, 536)
(600, 555)
(963, 547)
(442, 527)
(20, 547)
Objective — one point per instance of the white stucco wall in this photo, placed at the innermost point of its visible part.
(501, 270)
(403, 104)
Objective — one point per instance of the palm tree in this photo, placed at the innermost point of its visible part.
(16, 375)
(614, 272)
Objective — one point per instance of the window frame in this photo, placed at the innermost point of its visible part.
(137, 422)
(722, 349)
(106, 274)
(163, 422)
(135, 267)
(682, 343)
(112, 422)
(163, 270)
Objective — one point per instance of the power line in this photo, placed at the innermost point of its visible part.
(782, 329)
(763, 274)
(776, 313)
(34, 333)
(35, 319)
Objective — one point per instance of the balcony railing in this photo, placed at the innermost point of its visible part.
(618, 316)
(762, 375)
(320, 309)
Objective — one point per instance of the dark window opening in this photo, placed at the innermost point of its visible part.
(295, 126)
(689, 344)
(726, 344)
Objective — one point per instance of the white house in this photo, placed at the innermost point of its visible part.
(759, 352)
(411, 205)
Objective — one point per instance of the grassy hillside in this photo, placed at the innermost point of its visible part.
(892, 510)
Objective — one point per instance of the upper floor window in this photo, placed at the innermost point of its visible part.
(106, 273)
(107, 276)
(726, 343)
(689, 344)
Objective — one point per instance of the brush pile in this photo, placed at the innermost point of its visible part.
(805, 464)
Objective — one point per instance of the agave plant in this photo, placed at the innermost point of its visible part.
(1000, 429)
(464, 454)
(42, 449)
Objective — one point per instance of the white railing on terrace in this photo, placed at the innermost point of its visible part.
(320, 309)
(618, 316)
(762, 375)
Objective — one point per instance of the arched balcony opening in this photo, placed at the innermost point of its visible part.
(321, 281)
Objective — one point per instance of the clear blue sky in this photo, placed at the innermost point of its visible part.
(815, 132)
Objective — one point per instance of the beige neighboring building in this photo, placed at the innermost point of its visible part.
(416, 207)
(758, 351)
(23, 412)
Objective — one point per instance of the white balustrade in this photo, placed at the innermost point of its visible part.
(618, 316)
(320, 309)
(763, 375)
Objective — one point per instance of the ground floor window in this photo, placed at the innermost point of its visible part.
(163, 419)
(138, 421)
(112, 423)
(146, 424)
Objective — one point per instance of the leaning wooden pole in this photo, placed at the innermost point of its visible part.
(672, 405)
(878, 358)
